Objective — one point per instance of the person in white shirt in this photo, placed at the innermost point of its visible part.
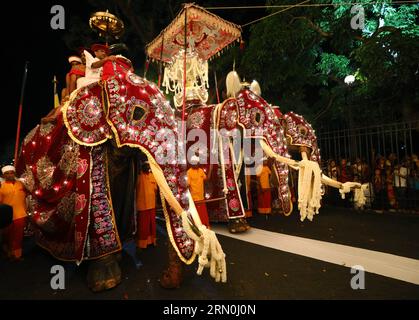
(92, 74)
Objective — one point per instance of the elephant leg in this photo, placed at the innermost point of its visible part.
(104, 273)
(238, 225)
(173, 275)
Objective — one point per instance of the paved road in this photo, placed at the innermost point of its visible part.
(254, 271)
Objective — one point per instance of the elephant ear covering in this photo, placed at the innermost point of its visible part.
(56, 173)
(84, 116)
(302, 134)
(139, 112)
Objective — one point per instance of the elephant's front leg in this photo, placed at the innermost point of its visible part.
(172, 276)
(104, 273)
(237, 222)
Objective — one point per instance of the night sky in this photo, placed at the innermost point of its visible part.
(27, 36)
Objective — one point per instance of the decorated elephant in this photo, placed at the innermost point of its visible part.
(80, 168)
(279, 135)
(230, 128)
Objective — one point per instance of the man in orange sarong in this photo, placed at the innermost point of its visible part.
(146, 207)
(264, 192)
(12, 193)
(196, 178)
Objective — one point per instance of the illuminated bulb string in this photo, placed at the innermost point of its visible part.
(196, 74)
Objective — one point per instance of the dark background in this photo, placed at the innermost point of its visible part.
(28, 36)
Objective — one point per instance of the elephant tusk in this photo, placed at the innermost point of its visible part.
(330, 182)
(268, 150)
(210, 200)
(193, 226)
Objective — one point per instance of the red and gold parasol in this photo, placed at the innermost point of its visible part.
(207, 34)
(185, 46)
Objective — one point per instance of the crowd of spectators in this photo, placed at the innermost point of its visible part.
(393, 183)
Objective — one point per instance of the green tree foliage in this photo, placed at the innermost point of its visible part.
(301, 57)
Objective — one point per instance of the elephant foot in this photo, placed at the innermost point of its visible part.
(239, 225)
(104, 273)
(172, 277)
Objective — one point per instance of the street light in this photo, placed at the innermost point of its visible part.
(349, 79)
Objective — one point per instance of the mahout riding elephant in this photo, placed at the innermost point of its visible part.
(234, 129)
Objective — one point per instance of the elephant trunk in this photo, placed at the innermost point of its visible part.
(187, 234)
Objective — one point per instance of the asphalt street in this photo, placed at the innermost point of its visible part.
(254, 272)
